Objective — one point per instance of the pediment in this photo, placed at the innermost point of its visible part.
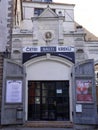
(48, 12)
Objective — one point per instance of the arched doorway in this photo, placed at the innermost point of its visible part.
(49, 88)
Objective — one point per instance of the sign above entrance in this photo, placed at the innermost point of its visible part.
(66, 52)
(30, 49)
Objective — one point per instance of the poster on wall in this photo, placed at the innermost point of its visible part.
(13, 91)
(84, 91)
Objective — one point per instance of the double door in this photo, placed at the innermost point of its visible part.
(48, 100)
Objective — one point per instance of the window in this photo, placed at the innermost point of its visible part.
(43, 0)
(53, 10)
(38, 11)
(47, 0)
(37, 0)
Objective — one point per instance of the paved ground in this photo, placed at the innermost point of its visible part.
(22, 128)
(18, 128)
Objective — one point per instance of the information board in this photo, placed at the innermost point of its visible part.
(13, 91)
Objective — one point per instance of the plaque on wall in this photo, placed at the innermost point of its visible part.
(48, 35)
(13, 91)
(78, 108)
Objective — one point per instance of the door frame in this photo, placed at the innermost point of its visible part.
(50, 87)
(51, 59)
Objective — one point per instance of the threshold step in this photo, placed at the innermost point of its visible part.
(53, 124)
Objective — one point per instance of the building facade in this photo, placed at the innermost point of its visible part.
(51, 69)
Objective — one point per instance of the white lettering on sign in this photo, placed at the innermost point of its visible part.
(31, 49)
(48, 49)
(65, 49)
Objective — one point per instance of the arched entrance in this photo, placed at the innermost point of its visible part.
(49, 88)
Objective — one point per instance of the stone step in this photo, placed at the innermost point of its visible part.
(53, 124)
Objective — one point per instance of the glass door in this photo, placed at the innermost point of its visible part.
(62, 100)
(48, 100)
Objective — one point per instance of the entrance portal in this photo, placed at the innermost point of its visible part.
(48, 100)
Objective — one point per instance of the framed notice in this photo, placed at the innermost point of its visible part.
(13, 91)
(59, 91)
(78, 108)
(84, 90)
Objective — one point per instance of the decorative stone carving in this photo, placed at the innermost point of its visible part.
(48, 36)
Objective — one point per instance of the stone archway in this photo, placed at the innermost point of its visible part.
(49, 68)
